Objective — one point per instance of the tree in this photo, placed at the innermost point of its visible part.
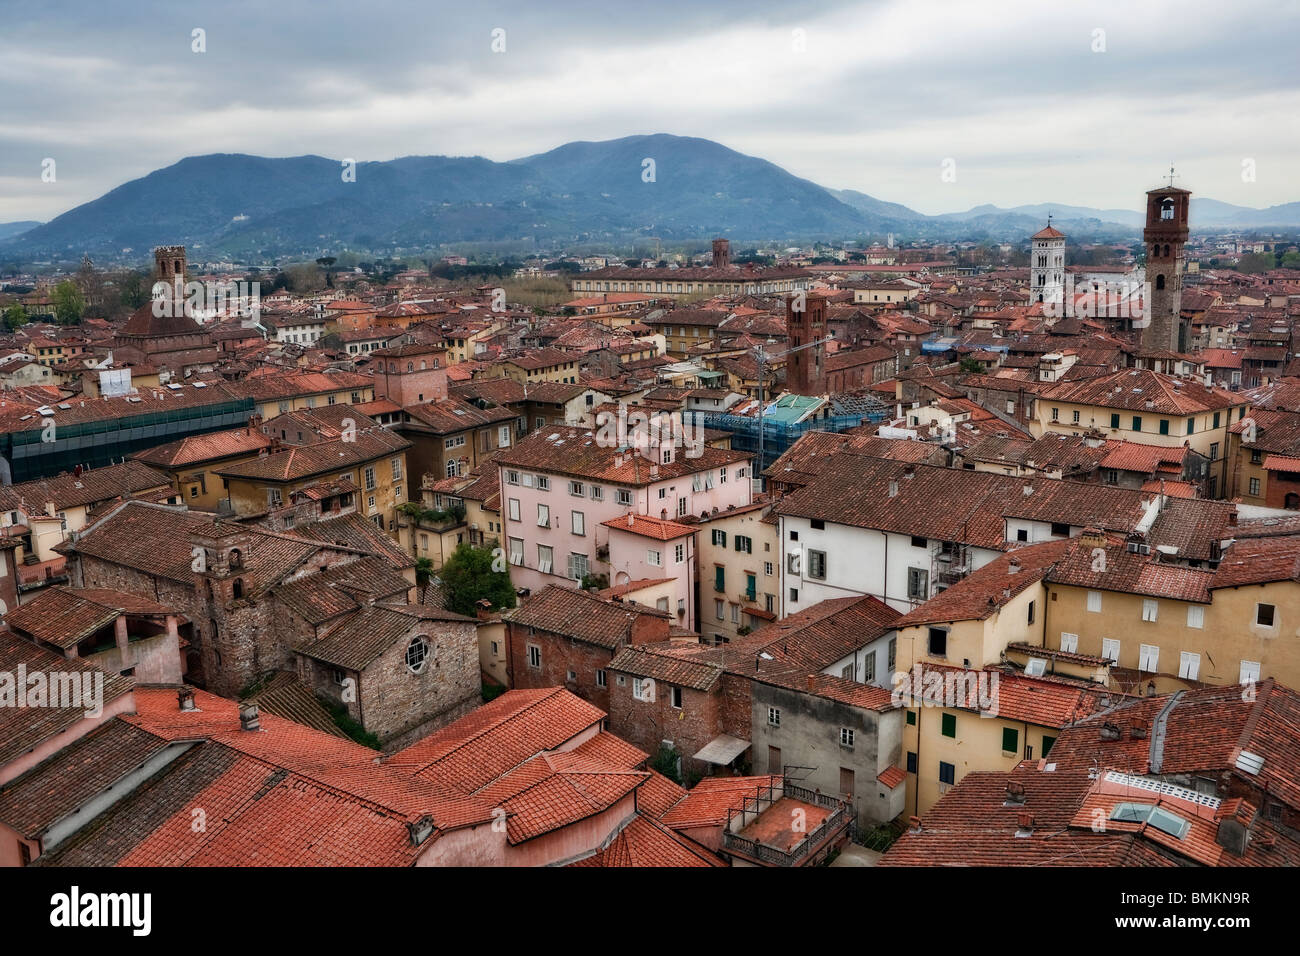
(15, 316)
(1255, 262)
(69, 304)
(471, 574)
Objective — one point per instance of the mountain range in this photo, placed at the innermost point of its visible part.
(255, 208)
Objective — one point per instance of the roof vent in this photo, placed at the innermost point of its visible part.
(1110, 731)
(185, 697)
(249, 716)
(1015, 795)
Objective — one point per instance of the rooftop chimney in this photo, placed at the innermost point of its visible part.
(631, 520)
(185, 696)
(248, 716)
(419, 830)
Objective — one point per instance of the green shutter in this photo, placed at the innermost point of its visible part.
(1164, 426)
(950, 725)
(1010, 739)
(719, 579)
(911, 717)
(1047, 745)
(1114, 421)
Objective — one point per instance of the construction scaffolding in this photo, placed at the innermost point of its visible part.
(779, 436)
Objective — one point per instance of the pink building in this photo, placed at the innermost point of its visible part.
(642, 548)
(561, 485)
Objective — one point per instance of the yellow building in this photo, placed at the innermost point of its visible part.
(1170, 628)
(373, 459)
(1144, 406)
(192, 463)
(277, 393)
(740, 571)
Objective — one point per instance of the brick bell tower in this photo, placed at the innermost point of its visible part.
(169, 267)
(805, 369)
(1164, 235)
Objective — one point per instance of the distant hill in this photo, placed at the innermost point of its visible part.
(250, 207)
(9, 229)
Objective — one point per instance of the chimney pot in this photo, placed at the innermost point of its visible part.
(185, 696)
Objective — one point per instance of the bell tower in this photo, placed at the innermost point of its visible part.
(1047, 266)
(1164, 235)
(169, 267)
(804, 370)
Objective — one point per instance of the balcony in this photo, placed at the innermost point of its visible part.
(761, 830)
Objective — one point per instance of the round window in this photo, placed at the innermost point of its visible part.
(416, 652)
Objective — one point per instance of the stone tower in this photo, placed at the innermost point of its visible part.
(169, 267)
(805, 369)
(1164, 235)
(1047, 265)
(721, 253)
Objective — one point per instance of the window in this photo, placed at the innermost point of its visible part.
(1010, 740)
(1150, 609)
(751, 587)
(545, 558)
(543, 483)
(719, 537)
(681, 507)
(1249, 673)
(893, 653)
(1137, 423)
(534, 656)
(654, 558)
(1189, 665)
(735, 613)
(744, 544)
(911, 758)
(1265, 615)
(722, 476)
(1060, 530)
(516, 550)
(578, 522)
(846, 736)
(513, 505)
(947, 773)
(675, 697)
(679, 553)
(817, 564)
(1030, 615)
(1195, 616)
(719, 578)
(503, 436)
(948, 725)
(416, 652)
(1254, 487)
(1114, 420)
(1047, 745)
(918, 584)
(1216, 422)
(938, 642)
(1069, 642)
(623, 496)
(602, 680)
(768, 568)
(919, 542)
(1110, 649)
(1056, 414)
(794, 595)
(597, 493)
(370, 479)
(869, 667)
(1094, 602)
(543, 516)
(718, 609)
(1075, 415)
(579, 567)
(774, 717)
(396, 465)
(1148, 658)
(911, 718)
(818, 524)
(512, 477)
(576, 488)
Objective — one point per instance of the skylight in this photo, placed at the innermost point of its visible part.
(1154, 816)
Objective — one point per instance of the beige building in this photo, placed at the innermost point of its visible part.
(739, 571)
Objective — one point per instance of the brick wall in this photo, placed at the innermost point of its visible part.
(560, 655)
(648, 723)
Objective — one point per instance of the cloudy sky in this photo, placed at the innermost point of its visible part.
(1081, 102)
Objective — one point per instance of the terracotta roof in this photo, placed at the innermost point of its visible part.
(647, 527)
(579, 615)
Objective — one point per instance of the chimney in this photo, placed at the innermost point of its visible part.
(1014, 566)
(248, 716)
(1026, 820)
(1137, 730)
(419, 830)
(812, 681)
(1109, 731)
(185, 696)
(1233, 833)
(1015, 794)
(1028, 488)
(631, 520)
(1232, 518)
(909, 471)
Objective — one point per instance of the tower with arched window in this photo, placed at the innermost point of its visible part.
(1165, 235)
(1047, 265)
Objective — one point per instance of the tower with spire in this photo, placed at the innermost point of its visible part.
(1047, 265)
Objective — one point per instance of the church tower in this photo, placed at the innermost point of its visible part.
(1164, 235)
(1047, 265)
(169, 267)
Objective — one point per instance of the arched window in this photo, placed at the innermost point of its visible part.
(1166, 251)
(410, 366)
(1167, 209)
(416, 653)
(1292, 502)
(236, 559)
(1160, 281)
